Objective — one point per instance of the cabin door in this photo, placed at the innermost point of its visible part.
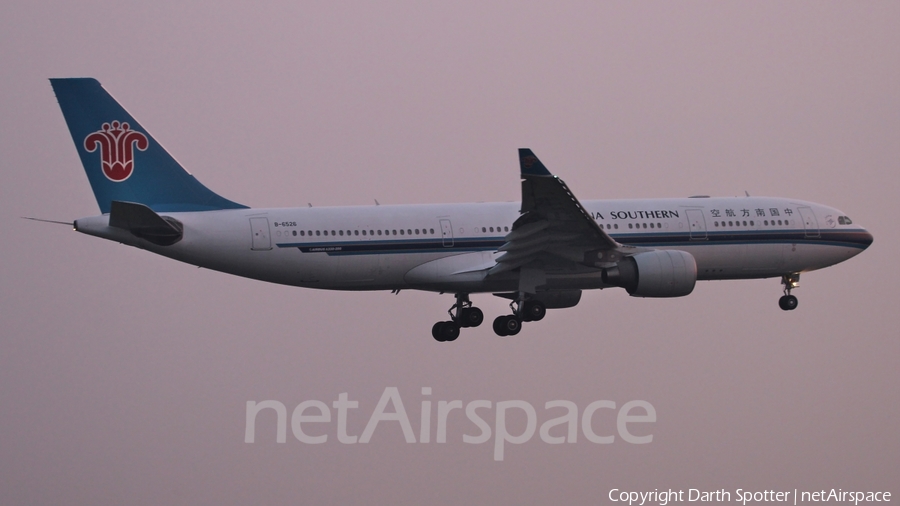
(447, 233)
(810, 223)
(697, 224)
(261, 239)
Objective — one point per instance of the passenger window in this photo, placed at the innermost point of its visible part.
(317, 232)
(431, 230)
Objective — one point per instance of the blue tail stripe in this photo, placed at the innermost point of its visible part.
(153, 177)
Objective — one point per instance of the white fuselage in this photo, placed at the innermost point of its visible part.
(448, 247)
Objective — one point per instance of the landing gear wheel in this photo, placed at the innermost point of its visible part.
(445, 331)
(470, 317)
(788, 302)
(436, 332)
(534, 311)
(513, 325)
(499, 327)
(450, 331)
(507, 325)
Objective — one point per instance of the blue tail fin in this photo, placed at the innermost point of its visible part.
(122, 160)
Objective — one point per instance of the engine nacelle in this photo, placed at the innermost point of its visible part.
(659, 273)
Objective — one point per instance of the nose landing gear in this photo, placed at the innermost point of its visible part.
(788, 302)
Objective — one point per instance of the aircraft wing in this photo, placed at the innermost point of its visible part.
(554, 229)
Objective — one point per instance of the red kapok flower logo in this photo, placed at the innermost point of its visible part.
(116, 142)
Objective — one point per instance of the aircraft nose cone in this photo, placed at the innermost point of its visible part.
(865, 238)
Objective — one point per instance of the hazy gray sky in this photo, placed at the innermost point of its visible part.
(124, 376)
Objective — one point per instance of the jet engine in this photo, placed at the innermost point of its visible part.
(659, 273)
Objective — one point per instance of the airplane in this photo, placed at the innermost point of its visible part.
(540, 253)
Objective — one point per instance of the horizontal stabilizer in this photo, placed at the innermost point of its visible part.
(141, 221)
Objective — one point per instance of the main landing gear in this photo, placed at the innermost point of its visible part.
(790, 281)
(527, 311)
(462, 314)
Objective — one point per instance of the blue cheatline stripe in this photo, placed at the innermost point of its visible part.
(849, 238)
(395, 246)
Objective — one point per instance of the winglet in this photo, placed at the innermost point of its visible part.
(530, 165)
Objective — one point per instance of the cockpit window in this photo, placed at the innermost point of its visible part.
(844, 220)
